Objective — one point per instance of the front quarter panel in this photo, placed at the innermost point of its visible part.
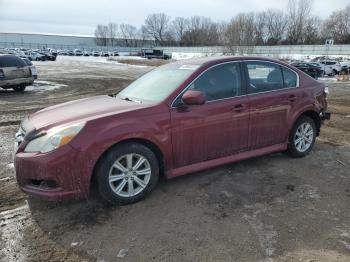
(151, 124)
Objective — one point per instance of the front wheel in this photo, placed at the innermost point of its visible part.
(302, 137)
(127, 173)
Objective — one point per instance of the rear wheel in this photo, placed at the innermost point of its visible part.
(19, 88)
(302, 138)
(127, 173)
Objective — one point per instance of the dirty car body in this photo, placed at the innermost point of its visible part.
(211, 112)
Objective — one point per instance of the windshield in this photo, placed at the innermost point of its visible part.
(158, 84)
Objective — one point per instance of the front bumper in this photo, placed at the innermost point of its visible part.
(58, 175)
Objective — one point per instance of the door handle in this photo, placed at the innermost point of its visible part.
(292, 98)
(239, 108)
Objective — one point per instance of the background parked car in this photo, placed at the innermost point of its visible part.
(48, 56)
(78, 52)
(34, 56)
(95, 53)
(63, 52)
(14, 73)
(333, 66)
(312, 69)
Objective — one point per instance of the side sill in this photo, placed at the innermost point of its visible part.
(225, 160)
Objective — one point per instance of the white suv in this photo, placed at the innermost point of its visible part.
(14, 73)
(330, 67)
(78, 52)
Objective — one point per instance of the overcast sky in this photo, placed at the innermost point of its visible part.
(80, 17)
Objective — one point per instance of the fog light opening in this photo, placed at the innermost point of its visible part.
(44, 183)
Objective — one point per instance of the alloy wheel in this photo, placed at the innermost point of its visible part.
(129, 175)
(303, 137)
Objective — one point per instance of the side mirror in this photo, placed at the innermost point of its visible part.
(193, 97)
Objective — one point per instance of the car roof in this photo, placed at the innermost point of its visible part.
(222, 59)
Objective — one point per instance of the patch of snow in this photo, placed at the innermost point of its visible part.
(327, 79)
(182, 56)
(44, 86)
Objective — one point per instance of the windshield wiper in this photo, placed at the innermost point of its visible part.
(131, 100)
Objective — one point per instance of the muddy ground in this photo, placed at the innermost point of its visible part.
(271, 208)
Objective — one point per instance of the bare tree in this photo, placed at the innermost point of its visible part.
(337, 26)
(260, 28)
(156, 27)
(312, 32)
(299, 11)
(201, 31)
(101, 35)
(112, 33)
(240, 34)
(180, 25)
(276, 24)
(128, 33)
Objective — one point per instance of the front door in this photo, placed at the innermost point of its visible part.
(217, 128)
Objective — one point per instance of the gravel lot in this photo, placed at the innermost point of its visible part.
(271, 208)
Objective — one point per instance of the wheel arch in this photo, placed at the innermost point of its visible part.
(149, 144)
(314, 116)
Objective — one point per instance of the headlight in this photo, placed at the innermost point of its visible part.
(54, 138)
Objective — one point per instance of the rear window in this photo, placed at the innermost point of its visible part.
(11, 61)
(290, 78)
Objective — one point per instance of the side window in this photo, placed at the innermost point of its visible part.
(222, 81)
(290, 78)
(264, 76)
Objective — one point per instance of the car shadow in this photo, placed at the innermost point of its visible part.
(232, 186)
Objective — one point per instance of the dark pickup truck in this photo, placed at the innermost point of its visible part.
(155, 53)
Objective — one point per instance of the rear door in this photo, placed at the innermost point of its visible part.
(273, 92)
(219, 127)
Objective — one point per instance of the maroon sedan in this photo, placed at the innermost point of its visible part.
(177, 119)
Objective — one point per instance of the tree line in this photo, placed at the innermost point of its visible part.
(293, 26)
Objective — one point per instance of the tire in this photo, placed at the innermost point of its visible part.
(19, 88)
(306, 141)
(117, 182)
(334, 72)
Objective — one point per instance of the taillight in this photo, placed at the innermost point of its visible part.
(2, 75)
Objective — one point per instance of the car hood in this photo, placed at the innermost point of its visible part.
(80, 110)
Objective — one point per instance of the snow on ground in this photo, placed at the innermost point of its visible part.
(181, 56)
(39, 85)
(101, 60)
